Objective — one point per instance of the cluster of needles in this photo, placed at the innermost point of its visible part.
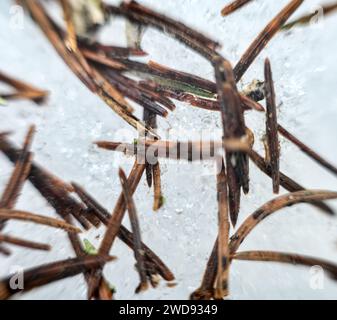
(109, 72)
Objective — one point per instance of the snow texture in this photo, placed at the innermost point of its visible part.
(182, 233)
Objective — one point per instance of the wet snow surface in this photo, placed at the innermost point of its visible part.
(183, 232)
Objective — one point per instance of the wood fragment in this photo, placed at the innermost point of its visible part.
(233, 6)
(271, 127)
(139, 254)
(264, 37)
(307, 150)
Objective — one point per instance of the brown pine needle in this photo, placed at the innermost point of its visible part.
(103, 59)
(104, 292)
(114, 224)
(24, 243)
(87, 76)
(306, 19)
(19, 175)
(48, 273)
(169, 77)
(98, 210)
(289, 258)
(53, 189)
(136, 7)
(273, 206)
(24, 90)
(264, 37)
(131, 90)
(112, 91)
(271, 128)
(233, 127)
(308, 151)
(68, 18)
(150, 119)
(286, 182)
(233, 6)
(38, 13)
(158, 196)
(124, 234)
(139, 254)
(145, 16)
(206, 290)
(221, 289)
(4, 251)
(189, 151)
(27, 216)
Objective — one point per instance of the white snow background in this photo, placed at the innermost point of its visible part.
(183, 231)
